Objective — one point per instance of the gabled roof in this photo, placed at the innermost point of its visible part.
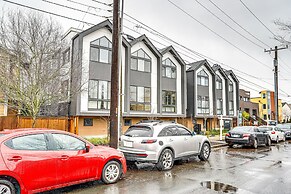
(174, 53)
(230, 73)
(105, 24)
(217, 67)
(143, 38)
(196, 65)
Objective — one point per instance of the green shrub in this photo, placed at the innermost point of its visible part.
(98, 141)
(216, 132)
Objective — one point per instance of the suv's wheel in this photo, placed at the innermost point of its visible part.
(111, 172)
(255, 144)
(230, 145)
(268, 141)
(205, 152)
(6, 187)
(166, 160)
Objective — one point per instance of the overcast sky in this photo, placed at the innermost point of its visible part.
(192, 26)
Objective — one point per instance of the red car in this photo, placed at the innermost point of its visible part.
(36, 160)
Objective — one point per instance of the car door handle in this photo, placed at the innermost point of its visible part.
(15, 158)
(64, 157)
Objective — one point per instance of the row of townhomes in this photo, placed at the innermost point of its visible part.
(156, 84)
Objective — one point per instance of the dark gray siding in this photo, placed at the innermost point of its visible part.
(169, 84)
(203, 91)
(138, 78)
(100, 71)
(190, 93)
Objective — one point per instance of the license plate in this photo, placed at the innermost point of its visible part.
(234, 135)
(127, 144)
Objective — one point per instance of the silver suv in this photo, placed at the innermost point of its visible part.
(161, 143)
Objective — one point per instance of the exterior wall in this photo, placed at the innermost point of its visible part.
(224, 102)
(154, 78)
(233, 96)
(170, 84)
(286, 112)
(247, 104)
(204, 90)
(99, 128)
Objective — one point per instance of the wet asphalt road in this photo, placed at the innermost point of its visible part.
(233, 170)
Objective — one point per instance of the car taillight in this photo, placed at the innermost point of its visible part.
(227, 134)
(148, 141)
(246, 135)
(142, 155)
(273, 132)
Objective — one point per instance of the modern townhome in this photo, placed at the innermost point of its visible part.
(212, 94)
(153, 82)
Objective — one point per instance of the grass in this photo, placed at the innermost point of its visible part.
(98, 141)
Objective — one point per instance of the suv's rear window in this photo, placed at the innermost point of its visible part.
(139, 131)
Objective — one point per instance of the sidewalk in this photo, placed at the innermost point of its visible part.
(215, 142)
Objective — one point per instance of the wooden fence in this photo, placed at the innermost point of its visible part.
(14, 122)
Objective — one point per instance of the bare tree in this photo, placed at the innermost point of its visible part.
(285, 28)
(34, 75)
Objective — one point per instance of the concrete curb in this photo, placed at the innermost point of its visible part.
(217, 144)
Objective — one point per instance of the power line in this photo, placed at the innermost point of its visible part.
(47, 12)
(218, 34)
(256, 17)
(102, 3)
(228, 24)
(89, 6)
(75, 9)
(237, 23)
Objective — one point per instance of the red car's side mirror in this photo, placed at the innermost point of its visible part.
(87, 148)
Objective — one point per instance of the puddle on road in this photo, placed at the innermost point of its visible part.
(221, 187)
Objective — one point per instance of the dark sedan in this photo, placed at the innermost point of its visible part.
(286, 127)
(247, 135)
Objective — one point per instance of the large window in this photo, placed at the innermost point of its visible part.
(169, 101)
(99, 94)
(231, 109)
(218, 83)
(202, 78)
(140, 61)
(230, 87)
(140, 98)
(100, 50)
(169, 69)
(219, 106)
(203, 105)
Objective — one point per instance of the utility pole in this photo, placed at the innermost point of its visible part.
(276, 78)
(114, 77)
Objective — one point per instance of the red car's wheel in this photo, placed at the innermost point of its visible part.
(6, 187)
(111, 172)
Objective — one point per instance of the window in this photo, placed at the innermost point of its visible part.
(88, 121)
(67, 142)
(140, 98)
(66, 56)
(219, 106)
(168, 131)
(230, 87)
(218, 83)
(203, 104)
(264, 106)
(101, 50)
(231, 109)
(139, 131)
(202, 78)
(169, 101)
(65, 87)
(264, 95)
(183, 131)
(140, 61)
(168, 69)
(265, 116)
(127, 122)
(28, 142)
(99, 94)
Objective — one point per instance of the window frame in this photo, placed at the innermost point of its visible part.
(202, 75)
(141, 60)
(138, 104)
(100, 47)
(201, 109)
(171, 105)
(171, 66)
(9, 143)
(96, 99)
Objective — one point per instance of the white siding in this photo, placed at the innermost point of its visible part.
(235, 105)
(223, 92)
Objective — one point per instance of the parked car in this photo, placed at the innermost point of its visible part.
(36, 160)
(248, 136)
(274, 132)
(162, 143)
(286, 127)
